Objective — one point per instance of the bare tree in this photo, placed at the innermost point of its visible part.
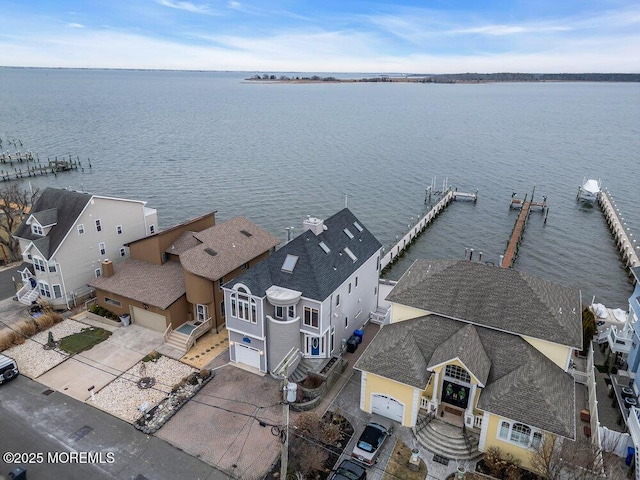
(557, 459)
(14, 206)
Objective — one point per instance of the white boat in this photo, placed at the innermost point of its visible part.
(589, 190)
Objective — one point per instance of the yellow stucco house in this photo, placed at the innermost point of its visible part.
(480, 346)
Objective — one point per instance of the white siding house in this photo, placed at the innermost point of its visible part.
(68, 234)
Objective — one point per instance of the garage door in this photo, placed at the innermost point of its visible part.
(247, 355)
(387, 407)
(148, 319)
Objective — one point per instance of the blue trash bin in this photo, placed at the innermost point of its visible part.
(630, 453)
(358, 334)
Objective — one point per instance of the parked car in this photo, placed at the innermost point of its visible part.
(371, 440)
(349, 470)
(8, 369)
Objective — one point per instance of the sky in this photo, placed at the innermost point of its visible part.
(394, 36)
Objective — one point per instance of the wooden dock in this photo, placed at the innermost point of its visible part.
(508, 259)
(32, 167)
(627, 246)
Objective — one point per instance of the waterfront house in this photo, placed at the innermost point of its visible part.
(307, 299)
(476, 345)
(173, 280)
(66, 237)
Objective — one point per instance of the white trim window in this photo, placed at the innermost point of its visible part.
(53, 267)
(98, 225)
(279, 312)
(519, 434)
(291, 312)
(36, 229)
(311, 317)
(98, 272)
(152, 229)
(38, 264)
(81, 229)
(123, 252)
(337, 299)
(45, 291)
(243, 306)
(57, 290)
(119, 229)
(202, 312)
(103, 248)
(457, 372)
(111, 301)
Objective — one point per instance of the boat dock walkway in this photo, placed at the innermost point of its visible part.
(627, 246)
(508, 259)
(414, 232)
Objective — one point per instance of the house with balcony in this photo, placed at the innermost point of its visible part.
(66, 237)
(173, 280)
(475, 346)
(307, 299)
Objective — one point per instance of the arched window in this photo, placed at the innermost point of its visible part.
(521, 434)
(243, 306)
(459, 373)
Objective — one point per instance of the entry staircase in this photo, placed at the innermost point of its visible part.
(447, 440)
(178, 341)
(28, 294)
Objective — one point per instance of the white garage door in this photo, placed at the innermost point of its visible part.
(387, 407)
(148, 319)
(247, 355)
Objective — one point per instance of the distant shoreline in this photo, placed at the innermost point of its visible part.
(455, 78)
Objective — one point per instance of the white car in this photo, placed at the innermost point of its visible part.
(371, 440)
(8, 368)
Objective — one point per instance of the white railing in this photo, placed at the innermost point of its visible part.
(167, 332)
(620, 343)
(424, 403)
(198, 332)
(288, 359)
(580, 377)
(634, 426)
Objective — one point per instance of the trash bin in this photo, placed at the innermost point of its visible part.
(18, 473)
(125, 319)
(358, 334)
(352, 344)
(630, 453)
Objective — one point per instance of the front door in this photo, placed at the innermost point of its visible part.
(314, 346)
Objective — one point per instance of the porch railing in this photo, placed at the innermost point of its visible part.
(167, 332)
(198, 332)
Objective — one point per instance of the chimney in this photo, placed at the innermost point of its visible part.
(107, 268)
(314, 224)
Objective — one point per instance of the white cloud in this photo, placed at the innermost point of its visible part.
(75, 25)
(187, 6)
(508, 30)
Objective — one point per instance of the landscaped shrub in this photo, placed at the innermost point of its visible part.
(26, 327)
(6, 338)
(103, 312)
(18, 339)
(152, 356)
(44, 321)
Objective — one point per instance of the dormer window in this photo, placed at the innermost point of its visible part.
(36, 229)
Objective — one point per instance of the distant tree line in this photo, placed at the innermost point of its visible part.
(530, 77)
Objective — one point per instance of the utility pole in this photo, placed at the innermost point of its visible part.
(284, 454)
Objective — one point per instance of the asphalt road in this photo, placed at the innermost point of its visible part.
(54, 424)
(7, 285)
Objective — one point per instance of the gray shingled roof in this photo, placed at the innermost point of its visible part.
(494, 297)
(232, 248)
(465, 345)
(157, 285)
(46, 217)
(317, 274)
(68, 206)
(522, 384)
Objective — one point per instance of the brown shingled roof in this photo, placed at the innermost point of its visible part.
(183, 243)
(157, 285)
(225, 247)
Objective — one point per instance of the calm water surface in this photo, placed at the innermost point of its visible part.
(192, 142)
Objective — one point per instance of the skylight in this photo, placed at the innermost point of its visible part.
(358, 226)
(348, 232)
(351, 255)
(289, 263)
(246, 234)
(324, 247)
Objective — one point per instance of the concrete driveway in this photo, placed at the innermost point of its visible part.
(99, 366)
(221, 424)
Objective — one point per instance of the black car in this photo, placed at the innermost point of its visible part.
(349, 470)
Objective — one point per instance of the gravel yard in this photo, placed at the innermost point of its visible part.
(33, 359)
(122, 397)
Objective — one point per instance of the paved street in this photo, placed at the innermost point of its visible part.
(9, 276)
(31, 421)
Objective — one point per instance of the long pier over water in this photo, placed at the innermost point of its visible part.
(627, 246)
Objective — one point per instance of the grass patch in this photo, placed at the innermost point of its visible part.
(152, 356)
(84, 340)
(398, 465)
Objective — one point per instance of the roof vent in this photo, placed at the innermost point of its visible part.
(211, 251)
(246, 234)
